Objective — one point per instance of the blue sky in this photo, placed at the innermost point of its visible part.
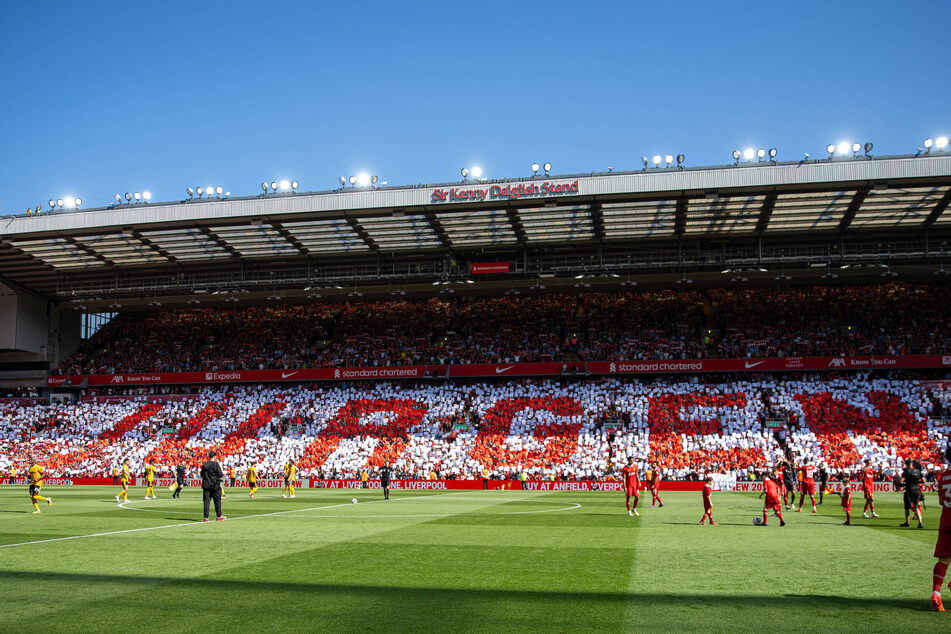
(99, 98)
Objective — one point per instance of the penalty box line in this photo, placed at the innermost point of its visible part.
(243, 517)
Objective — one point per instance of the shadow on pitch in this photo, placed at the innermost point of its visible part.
(409, 595)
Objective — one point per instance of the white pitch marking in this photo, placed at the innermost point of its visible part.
(155, 528)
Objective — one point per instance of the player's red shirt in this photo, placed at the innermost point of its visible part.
(868, 479)
(772, 491)
(943, 484)
(707, 493)
(808, 473)
(655, 478)
(631, 479)
(846, 497)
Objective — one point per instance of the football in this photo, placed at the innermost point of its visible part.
(353, 501)
(757, 520)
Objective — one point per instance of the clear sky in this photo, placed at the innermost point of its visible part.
(100, 98)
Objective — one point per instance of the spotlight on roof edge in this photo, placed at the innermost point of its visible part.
(547, 167)
(843, 148)
(748, 154)
(761, 154)
(535, 168)
(363, 179)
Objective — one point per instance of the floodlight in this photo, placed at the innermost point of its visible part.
(855, 148)
(59, 202)
(761, 153)
(772, 152)
(830, 149)
(941, 142)
(668, 159)
(343, 181)
(69, 202)
(868, 147)
(52, 203)
(352, 180)
(363, 179)
(534, 168)
(274, 185)
(137, 196)
(285, 185)
(844, 147)
(374, 179)
(294, 185)
(680, 159)
(128, 196)
(644, 161)
(736, 155)
(547, 167)
(119, 198)
(748, 154)
(464, 172)
(264, 186)
(209, 190)
(476, 172)
(198, 191)
(929, 143)
(219, 189)
(79, 201)
(656, 160)
(147, 195)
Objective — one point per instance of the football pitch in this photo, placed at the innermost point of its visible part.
(456, 561)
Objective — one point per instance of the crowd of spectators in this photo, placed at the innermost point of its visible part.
(581, 429)
(892, 318)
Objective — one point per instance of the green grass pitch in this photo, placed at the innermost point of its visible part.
(456, 561)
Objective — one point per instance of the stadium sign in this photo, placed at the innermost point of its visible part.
(480, 193)
(785, 364)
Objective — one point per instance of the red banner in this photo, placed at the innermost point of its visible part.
(478, 268)
(512, 369)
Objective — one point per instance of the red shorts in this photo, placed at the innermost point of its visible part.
(867, 493)
(809, 488)
(847, 507)
(943, 547)
(707, 506)
(632, 492)
(772, 505)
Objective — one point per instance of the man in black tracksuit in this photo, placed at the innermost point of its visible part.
(211, 476)
(179, 481)
(823, 481)
(385, 472)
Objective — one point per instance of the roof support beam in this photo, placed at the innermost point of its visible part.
(287, 235)
(766, 211)
(517, 227)
(217, 240)
(853, 208)
(938, 209)
(597, 221)
(360, 231)
(438, 229)
(680, 216)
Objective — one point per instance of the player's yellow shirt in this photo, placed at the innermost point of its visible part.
(252, 473)
(36, 474)
(149, 473)
(124, 476)
(364, 476)
(289, 471)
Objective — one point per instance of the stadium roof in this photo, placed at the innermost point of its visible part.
(622, 222)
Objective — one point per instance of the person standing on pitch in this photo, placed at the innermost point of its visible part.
(289, 471)
(385, 473)
(124, 479)
(36, 483)
(707, 496)
(632, 485)
(823, 481)
(179, 481)
(252, 478)
(211, 476)
(942, 548)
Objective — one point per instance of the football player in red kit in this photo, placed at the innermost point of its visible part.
(942, 549)
(807, 485)
(632, 484)
(772, 490)
(708, 501)
(847, 501)
(868, 489)
(654, 483)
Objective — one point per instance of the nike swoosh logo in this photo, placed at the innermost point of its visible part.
(749, 365)
(505, 369)
(284, 375)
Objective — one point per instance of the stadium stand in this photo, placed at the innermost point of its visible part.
(897, 318)
(575, 429)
